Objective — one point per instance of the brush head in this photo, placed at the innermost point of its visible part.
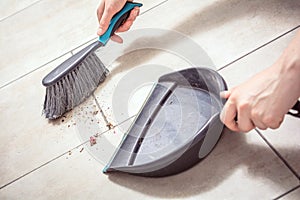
(72, 89)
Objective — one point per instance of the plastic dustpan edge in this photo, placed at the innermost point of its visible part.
(191, 152)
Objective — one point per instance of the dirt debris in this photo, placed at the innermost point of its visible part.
(93, 140)
(110, 125)
(95, 112)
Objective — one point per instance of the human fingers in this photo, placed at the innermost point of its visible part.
(256, 117)
(116, 38)
(100, 12)
(272, 121)
(128, 23)
(264, 120)
(259, 124)
(104, 21)
(228, 115)
(244, 121)
(225, 94)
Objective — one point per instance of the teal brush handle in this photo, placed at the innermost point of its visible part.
(118, 19)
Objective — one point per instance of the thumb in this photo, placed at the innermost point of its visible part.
(225, 94)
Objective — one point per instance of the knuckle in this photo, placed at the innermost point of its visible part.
(243, 106)
(261, 126)
(246, 128)
(271, 121)
(102, 24)
(230, 102)
(233, 97)
(110, 9)
(274, 126)
(267, 120)
(256, 114)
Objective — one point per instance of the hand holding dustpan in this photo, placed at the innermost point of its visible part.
(263, 100)
(176, 128)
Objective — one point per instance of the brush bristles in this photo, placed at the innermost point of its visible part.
(75, 87)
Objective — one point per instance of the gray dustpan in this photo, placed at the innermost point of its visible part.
(177, 126)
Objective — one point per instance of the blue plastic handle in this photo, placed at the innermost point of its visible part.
(128, 7)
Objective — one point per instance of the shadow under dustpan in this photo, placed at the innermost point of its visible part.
(177, 126)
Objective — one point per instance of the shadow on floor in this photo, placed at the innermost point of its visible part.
(232, 152)
(225, 11)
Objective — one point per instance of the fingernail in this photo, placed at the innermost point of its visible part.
(136, 12)
(99, 32)
(224, 94)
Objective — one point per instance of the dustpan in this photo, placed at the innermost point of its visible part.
(177, 126)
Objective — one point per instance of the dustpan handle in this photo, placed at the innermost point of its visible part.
(295, 111)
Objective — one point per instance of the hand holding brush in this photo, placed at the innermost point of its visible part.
(107, 9)
(73, 81)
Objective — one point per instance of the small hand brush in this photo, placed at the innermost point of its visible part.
(75, 79)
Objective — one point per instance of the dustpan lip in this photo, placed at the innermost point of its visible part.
(222, 85)
(168, 158)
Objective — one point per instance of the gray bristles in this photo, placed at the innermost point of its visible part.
(75, 87)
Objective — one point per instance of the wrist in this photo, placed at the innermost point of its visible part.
(290, 59)
(288, 70)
